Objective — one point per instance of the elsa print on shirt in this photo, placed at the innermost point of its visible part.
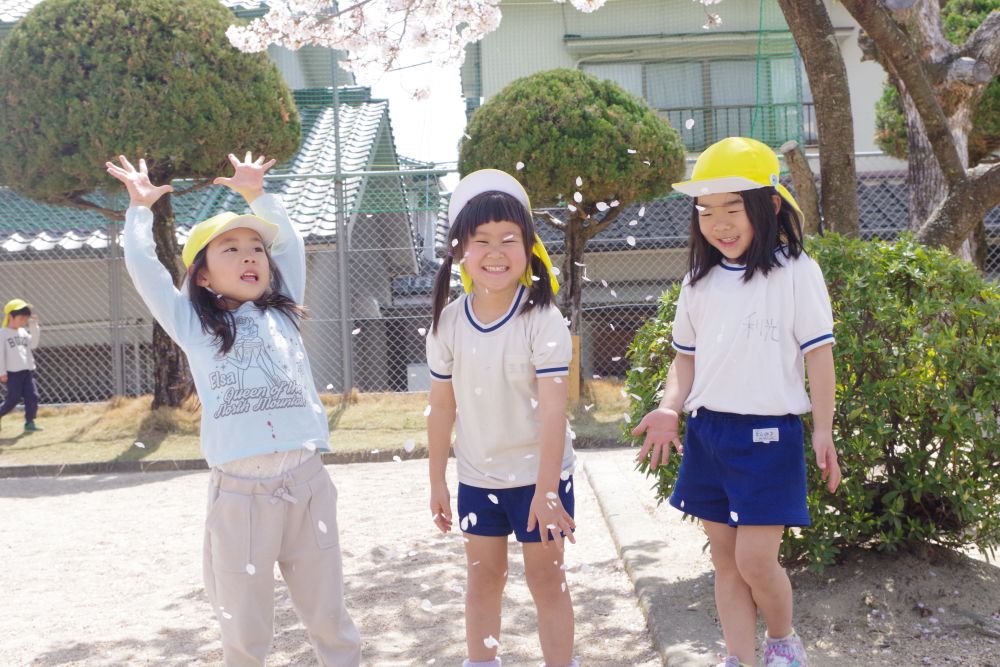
(251, 379)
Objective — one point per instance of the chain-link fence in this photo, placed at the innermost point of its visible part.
(96, 331)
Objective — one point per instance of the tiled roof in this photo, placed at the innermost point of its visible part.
(12, 11)
(25, 223)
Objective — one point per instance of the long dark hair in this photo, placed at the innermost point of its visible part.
(771, 232)
(218, 321)
(492, 206)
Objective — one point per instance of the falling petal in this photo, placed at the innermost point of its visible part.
(250, 568)
(454, 242)
(426, 605)
(689, 123)
(311, 446)
(551, 343)
(472, 518)
(579, 264)
(509, 237)
(569, 485)
(556, 271)
(587, 408)
(491, 642)
(464, 523)
(376, 451)
(422, 331)
(551, 495)
(321, 526)
(563, 586)
(329, 386)
(642, 211)
(356, 331)
(615, 203)
(519, 166)
(226, 615)
(646, 162)
(397, 459)
(408, 446)
(529, 456)
(734, 516)
(558, 380)
(614, 293)
(579, 182)
(571, 207)
(616, 358)
(604, 283)
(564, 475)
(494, 500)
(631, 151)
(427, 411)
(577, 197)
(140, 445)
(630, 240)
(601, 206)
(534, 403)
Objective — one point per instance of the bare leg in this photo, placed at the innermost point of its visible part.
(733, 598)
(486, 559)
(547, 583)
(757, 559)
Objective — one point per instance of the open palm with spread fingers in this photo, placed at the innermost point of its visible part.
(141, 191)
(248, 180)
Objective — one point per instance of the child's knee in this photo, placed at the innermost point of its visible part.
(484, 579)
(753, 567)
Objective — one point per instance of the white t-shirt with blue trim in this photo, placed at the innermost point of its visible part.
(494, 370)
(749, 338)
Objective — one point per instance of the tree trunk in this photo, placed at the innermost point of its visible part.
(572, 290)
(805, 187)
(813, 32)
(170, 369)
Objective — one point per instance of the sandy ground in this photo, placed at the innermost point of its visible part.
(106, 570)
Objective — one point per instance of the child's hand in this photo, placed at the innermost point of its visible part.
(660, 427)
(141, 191)
(3, 378)
(249, 177)
(826, 459)
(441, 506)
(548, 514)
(33, 318)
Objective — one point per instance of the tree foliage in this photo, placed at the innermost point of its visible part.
(84, 80)
(959, 19)
(917, 419)
(563, 124)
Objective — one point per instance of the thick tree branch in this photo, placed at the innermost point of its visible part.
(984, 44)
(77, 201)
(900, 58)
(590, 231)
(551, 219)
(967, 202)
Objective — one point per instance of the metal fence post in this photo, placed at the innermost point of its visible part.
(342, 241)
(114, 310)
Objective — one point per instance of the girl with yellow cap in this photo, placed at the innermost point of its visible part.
(498, 356)
(17, 363)
(270, 499)
(751, 309)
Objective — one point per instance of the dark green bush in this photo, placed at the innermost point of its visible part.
(917, 421)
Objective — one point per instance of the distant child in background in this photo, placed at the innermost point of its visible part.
(752, 307)
(17, 363)
(270, 498)
(499, 355)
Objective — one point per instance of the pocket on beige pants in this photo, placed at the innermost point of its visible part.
(323, 510)
(229, 526)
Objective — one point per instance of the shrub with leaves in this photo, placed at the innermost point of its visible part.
(917, 421)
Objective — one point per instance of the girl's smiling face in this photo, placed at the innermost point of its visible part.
(494, 256)
(723, 221)
(236, 265)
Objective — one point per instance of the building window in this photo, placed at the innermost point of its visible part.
(765, 99)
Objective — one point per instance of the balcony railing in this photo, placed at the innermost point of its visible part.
(773, 123)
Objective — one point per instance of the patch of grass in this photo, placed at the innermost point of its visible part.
(125, 429)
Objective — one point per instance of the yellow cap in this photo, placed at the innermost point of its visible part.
(12, 305)
(735, 164)
(203, 233)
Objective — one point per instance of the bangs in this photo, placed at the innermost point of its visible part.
(492, 206)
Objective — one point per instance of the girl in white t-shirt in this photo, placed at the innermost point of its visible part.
(751, 308)
(498, 355)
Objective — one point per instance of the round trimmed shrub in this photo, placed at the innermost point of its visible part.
(917, 419)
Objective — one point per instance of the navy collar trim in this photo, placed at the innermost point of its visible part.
(499, 323)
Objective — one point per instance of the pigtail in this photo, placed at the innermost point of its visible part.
(442, 289)
(540, 293)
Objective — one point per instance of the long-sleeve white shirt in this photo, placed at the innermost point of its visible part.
(17, 345)
(260, 397)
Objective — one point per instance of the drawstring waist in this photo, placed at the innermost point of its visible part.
(279, 488)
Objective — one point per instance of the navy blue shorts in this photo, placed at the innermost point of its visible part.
(743, 470)
(500, 512)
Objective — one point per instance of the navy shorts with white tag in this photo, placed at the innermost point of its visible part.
(743, 470)
(500, 512)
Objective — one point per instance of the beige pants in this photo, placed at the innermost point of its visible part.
(290, 519)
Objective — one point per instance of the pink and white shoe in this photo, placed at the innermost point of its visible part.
(787, 652)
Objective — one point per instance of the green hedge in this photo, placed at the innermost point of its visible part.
(917, 421)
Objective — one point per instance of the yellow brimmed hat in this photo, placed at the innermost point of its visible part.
(735, 164)
(11, 306)
(203, 233)
(494, 180)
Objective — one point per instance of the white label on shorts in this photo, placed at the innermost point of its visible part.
(765, 435)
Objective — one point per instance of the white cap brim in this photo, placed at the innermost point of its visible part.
(484, 180)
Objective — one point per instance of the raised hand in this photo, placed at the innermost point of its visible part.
(249, 177)
(141, 191)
